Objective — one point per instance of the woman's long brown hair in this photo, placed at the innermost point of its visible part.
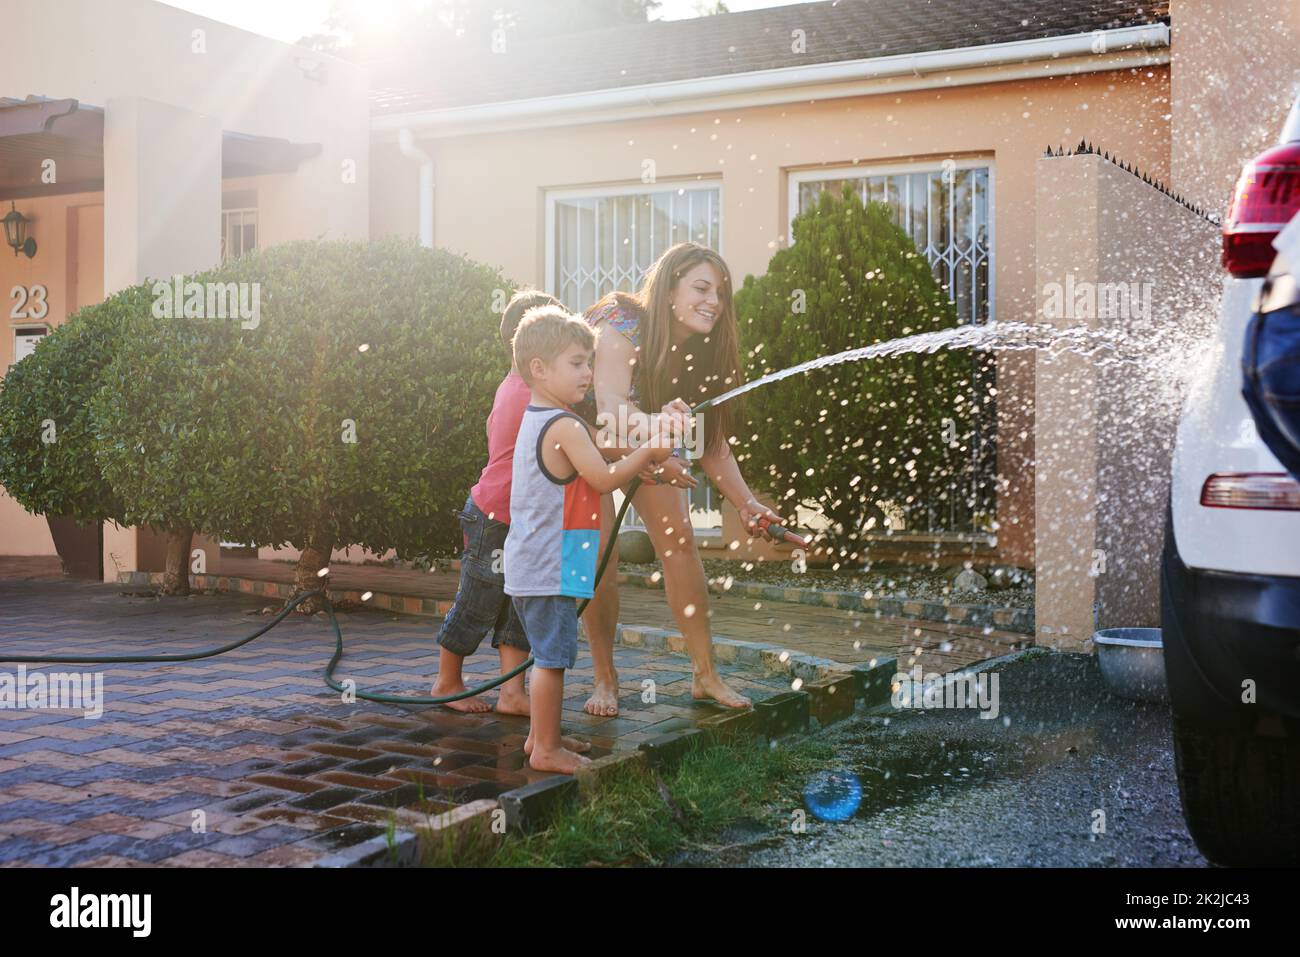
(714, 366)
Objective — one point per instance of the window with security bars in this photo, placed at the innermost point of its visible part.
(947, 211)
(605, 240)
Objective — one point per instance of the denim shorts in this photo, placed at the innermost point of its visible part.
(551, 622)
(481, 604)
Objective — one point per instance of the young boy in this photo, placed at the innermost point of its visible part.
(551, 551)
(481, 605)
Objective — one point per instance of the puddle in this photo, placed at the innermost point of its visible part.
(906, 775)
(348, 836)
(892, 781)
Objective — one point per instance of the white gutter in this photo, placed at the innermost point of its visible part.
(406, 141)
(995, 62)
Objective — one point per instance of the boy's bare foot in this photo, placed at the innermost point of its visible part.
(573, 744)
(603, 701)
(562, 761)
(474, 705)
(718, 690)
(510, 702)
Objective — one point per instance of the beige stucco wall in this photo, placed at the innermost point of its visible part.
(69, 263)
(490, 188)
(97, 51)
(1105, 430)
(1235, 73)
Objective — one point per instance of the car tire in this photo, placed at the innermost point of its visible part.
(1240, 794)
(1240, 789)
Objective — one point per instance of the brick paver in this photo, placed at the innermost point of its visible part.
(282, 770)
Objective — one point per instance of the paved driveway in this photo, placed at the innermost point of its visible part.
(282, 771)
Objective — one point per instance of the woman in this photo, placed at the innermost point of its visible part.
(673, 343)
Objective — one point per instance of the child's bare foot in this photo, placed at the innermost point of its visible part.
(473, 705)
(603, 701)
(715, 688)
(573, 744)
(512, 702)
(561, 761)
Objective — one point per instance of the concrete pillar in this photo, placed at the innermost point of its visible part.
(1065, 476)
(162, 216)
(1122, 258)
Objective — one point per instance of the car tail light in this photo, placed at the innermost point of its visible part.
(1266, 197)
(1266, 490)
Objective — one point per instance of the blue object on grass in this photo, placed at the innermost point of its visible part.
(833, 795)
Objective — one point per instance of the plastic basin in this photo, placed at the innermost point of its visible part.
(1132, 662)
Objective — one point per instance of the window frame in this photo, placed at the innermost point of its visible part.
(797, 177)
(551, 264)
(242, 211)
(551, 254)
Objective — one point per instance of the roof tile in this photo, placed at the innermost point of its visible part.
(664, 50)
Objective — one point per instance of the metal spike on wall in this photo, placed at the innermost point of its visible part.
(1085, 148)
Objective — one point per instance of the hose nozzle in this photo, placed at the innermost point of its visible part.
(781, 533)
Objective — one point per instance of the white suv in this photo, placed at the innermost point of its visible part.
(1230, 579)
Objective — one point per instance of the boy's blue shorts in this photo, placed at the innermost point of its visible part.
(552, 625)
(481, 604)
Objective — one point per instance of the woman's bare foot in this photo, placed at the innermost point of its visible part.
(512, 702)
(716, 689)
(603, 701)
(576, 745)
(561, 761)
(474, 705)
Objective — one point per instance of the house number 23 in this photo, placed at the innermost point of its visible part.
(29, 302)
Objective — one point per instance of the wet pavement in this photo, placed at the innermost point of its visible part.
(248, 758)
(1030, 787)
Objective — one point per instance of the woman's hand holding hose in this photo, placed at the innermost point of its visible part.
(750, 513)
(674, 471)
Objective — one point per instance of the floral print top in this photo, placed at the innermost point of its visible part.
(623, 321)
(618, 319)
(626, 322)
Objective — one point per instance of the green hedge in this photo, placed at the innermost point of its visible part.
(55, 385)
(241, 431)
(846, 439)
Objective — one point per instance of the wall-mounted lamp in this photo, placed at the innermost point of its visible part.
(16, 232)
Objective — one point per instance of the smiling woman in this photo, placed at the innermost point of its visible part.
(676, 345)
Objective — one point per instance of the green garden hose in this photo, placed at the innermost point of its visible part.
(338, 639)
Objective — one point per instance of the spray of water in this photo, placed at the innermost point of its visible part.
(1099, 344)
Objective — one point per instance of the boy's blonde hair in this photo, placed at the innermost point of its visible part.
(521, 302)
(546, 331)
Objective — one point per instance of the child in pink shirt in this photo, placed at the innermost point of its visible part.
(481, 604)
